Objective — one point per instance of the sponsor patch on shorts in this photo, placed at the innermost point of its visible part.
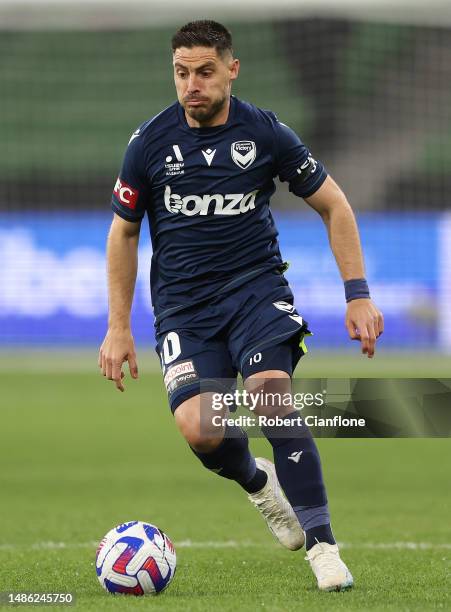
(179, 374)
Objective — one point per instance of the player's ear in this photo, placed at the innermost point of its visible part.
(234, 68)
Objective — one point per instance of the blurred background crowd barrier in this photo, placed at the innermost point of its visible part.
(366, 85)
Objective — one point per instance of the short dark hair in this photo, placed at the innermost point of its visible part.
(203, 33)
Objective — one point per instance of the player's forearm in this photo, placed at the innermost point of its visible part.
(122, 261)
(330, 202)
(344, 239)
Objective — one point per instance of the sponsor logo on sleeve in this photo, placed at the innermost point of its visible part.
(307, 168)
(179, 374)
(126, 195)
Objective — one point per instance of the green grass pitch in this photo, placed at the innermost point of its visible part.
(77, 457)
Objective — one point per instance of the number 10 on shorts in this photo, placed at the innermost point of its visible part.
(171, 348)
(255, 358)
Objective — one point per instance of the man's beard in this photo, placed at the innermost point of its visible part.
(205, 115)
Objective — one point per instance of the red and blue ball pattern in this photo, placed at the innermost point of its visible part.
(135, 558)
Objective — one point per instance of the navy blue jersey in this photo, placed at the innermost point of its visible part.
(206, 192)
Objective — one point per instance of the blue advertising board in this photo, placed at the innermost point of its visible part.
(53, 288)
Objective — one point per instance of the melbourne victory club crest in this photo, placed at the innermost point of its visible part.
(243, 153)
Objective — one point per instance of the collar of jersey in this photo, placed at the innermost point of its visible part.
(207, 130)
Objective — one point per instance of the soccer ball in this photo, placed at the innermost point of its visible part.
(135, 558)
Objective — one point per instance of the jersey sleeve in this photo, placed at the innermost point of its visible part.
(131, 193)
(295, 164)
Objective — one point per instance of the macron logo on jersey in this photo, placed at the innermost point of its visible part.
(126, 194)
(218, 204)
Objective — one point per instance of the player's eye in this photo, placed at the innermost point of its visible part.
(206, 73)
(181, 74)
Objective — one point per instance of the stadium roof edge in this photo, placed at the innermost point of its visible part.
(124, 14)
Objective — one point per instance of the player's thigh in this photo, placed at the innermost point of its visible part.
(271, 388)
(193, 365)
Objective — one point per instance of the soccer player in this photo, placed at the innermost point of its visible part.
(203, 171)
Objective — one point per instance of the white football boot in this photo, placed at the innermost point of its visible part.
(330, 571)
(276, 510)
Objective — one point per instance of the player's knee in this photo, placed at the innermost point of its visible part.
(199, 440)
(272, 392)
(204, 444)
(199, 432)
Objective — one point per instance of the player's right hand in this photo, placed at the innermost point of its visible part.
(117, 347)
(365, 323)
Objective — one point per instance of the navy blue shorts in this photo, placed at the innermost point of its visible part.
(251, 329)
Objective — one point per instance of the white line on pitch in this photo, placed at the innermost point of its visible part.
(236, 544)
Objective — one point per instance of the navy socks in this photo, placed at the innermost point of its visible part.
(297, 463)
(298, 468)
(233, 460)
(256, 483)
(323, 533)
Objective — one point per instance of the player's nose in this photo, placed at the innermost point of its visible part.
(193, 84)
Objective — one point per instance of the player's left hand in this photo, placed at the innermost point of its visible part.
(365, 323)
